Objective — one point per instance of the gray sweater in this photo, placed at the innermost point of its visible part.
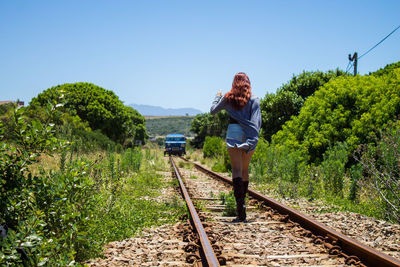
(249, 117)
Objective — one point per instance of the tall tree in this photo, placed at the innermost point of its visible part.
(206, 124)
(278, 108)
(101, 108)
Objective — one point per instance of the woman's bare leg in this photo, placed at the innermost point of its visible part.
(236, 157)
(239, 190)
(246, 157)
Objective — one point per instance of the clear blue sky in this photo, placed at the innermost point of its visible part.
(180, 53)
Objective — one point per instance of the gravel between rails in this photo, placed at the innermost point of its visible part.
(262, 242)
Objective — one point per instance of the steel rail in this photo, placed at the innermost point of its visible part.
(207, 248)
(366, 255)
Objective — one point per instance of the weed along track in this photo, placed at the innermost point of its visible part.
(275, 235)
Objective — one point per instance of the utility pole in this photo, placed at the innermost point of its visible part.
(355, 59)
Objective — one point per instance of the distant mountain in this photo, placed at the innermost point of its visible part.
(147, 110)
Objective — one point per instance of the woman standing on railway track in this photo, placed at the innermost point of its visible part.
(242, 134)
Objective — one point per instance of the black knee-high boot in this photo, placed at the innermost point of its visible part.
(238, 192)
(244, 192)
(245, 187)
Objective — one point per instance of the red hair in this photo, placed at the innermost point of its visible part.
(240, 92)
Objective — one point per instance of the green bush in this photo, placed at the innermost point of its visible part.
(347, 109)
(40, 210)
(278, 108)
(333, 168)
(261, 161)
(387, 69)
(205, 124)
(381, 163)
(160, 141)
(6, 108)
(271, 162)
(213, 147)
(85, 139)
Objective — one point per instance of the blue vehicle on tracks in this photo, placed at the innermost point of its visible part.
(175, 144)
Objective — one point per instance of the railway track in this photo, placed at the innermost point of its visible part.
(276, 235)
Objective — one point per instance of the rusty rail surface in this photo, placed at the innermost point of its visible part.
(355, 252)
(210, 257)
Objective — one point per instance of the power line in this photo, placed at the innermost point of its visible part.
(349, 65)
(379, 42)
(355, 58)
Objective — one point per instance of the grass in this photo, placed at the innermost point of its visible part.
(194, 154)
(328, 202)
(127, 201)
(230, 204)
(185, 165)
(52, 162)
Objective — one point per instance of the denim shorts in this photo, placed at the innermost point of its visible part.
(235, 136)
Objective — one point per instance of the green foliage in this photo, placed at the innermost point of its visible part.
(306, 83)
(223, 162)
(387, 69)
(160, 141)
(381, 163)
(131, 160)
(230, 203)
(167, 125)
(213, 146)
(61, 217)
(311, 155)
(278, 108)
(356, 175)
(259, 162)
(347, 109)
(128, 208)
(277, 163)
(32, 206)
(99, 107)
(5, 108)
(333, 168)
(206, 124)
(83, 138)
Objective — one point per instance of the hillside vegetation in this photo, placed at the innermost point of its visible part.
(162, 126)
